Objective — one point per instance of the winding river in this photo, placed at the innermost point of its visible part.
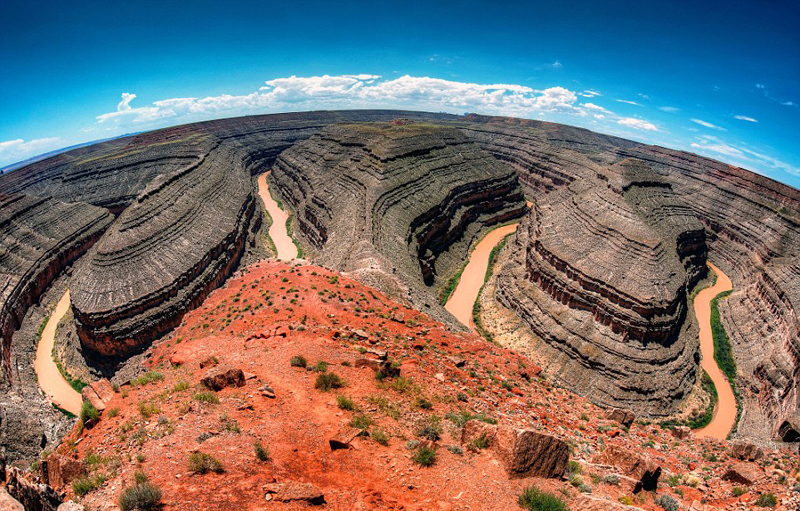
(57, 389)
(469, 285)
(287, 250)
(725, 411)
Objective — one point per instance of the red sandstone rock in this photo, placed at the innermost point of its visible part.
(743, 473)
(223, 376)
(746, 451)
(526, 453)
(475, 429)
(624, 417)
(61, 470)
(633, 464)
(293, 491)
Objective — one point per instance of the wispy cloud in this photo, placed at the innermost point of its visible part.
(669, 109)
(744, 118)
(589, 94)
(628, 102)
(708, 124)
(742, 155)
(638, 124)
(15, 150)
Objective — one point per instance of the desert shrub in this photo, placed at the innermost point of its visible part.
(206, 397)
(626, 500)
(345, 403)
(143, 496)
(455, 449)
(361, 421)
(89, 413)
(139, 477)
(298, 361)
(766, 500)
(201, 463)
(328, 381)
(611, 479)
(573, 467)
(479, 443)
(423, 403)
(738, 491)
(424, 456)
(534, 499)
(667, 503)
(146, 378)
(430, 428)
(181, 386)
(380, 436)
(321, 366)
(262, 453)
(87, 484)
(113, 412)
(148, 408)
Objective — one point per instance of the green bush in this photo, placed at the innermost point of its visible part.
(361, 421)
(262, 453)
(201, 463)
(345, 403)
(143, 496)
(146, 378)
(424, 456)
(766, 500)
(534, 499)
(87, 484)
(667, 503)
(298, 361)
(328, 381)
(89, 413)
(206, 397)
(430, 428)
(380, 436)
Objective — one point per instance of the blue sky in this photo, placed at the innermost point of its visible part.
(720, 79)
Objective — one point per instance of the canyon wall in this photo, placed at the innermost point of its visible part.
(396, 204)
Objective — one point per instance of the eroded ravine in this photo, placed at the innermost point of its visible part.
(287, 250)
(725, 411)
(57, 389)
(463, 299)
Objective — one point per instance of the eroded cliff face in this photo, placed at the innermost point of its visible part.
(599, 271)
(39, 237)
(396, 204)
(180, 238)
(752, 231)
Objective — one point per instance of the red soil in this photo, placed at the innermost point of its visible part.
(318, 310)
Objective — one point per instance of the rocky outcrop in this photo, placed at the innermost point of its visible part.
(396, 204)
(600, 272)
(752, 232)
(39, 237)
(180, 239)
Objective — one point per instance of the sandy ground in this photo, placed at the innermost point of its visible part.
(53, 384)
(725, 412)
(277, 231)
(463, 298)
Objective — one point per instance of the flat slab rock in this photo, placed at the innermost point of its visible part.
(293, 491)
(744, 473)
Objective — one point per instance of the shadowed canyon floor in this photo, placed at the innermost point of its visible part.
(725, 412)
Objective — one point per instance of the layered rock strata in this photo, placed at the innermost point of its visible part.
(39, 237)
(396, 204)
(600, 271)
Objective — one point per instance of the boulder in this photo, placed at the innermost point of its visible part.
(220, 377)
(90, 395)
(33, 496)
(743, 473)
(746, 451)
(632, 464)
(70, 506)
(60, 470)
(457, 361)
(623, 417)
(344, 437)
(103, 389)
(294, 491)
(9, 503)
(526, 453)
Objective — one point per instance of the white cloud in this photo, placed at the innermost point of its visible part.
(638, 124)
(708, 124)
(355, 91)
(670, 109)
(590, 93)
(12, 151)
(596, 108)
(557, 64)
(628, 102)
(744, 118)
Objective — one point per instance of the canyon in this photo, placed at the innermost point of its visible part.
(594, 286)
